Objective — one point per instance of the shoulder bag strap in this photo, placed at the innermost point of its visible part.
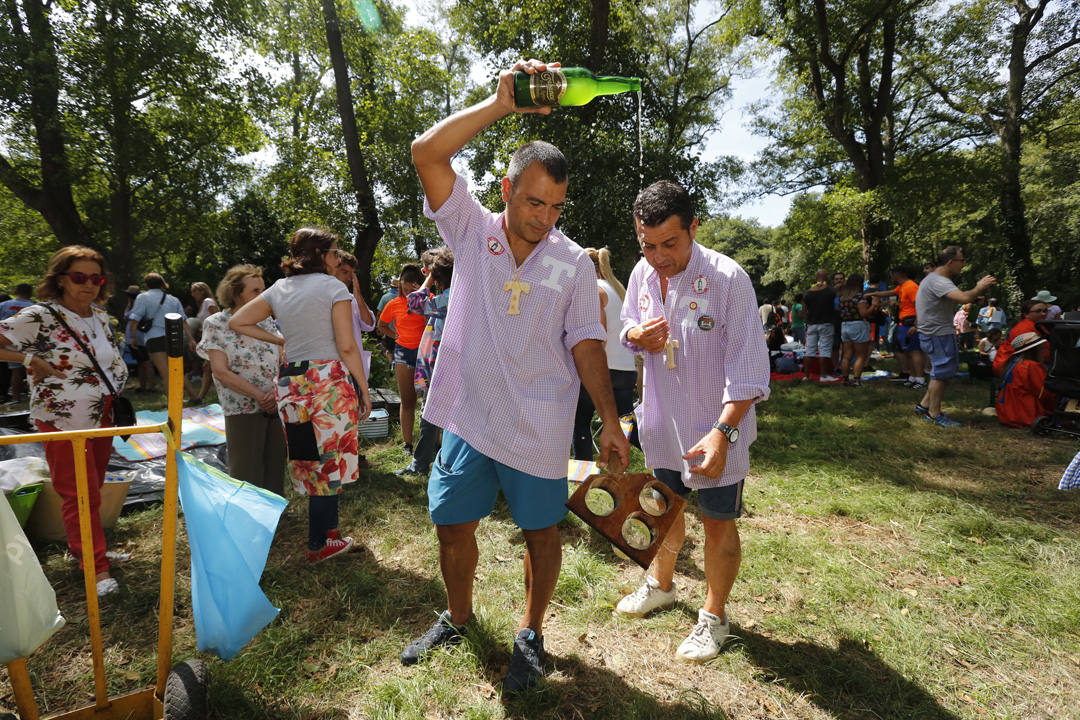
(93, 360)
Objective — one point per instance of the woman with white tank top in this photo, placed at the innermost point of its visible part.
(620, 360)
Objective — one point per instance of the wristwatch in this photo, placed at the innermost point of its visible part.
(731, 433)
(27, 360)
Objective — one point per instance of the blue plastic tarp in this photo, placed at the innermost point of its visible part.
(230, 525)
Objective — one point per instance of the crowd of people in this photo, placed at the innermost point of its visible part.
(837, 322)
(537, 337)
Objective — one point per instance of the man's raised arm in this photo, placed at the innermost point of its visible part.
(432, 151)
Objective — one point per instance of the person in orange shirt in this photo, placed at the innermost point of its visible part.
(407, 329)
(909, 353)
(1022, 397)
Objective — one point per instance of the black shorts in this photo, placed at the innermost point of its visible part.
(157, 345)
(139, 353)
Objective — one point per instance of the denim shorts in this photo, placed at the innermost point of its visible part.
(819, 340)
(855, 331)
(464, 484)
(944, 355)
(718, 503)
(404, 356)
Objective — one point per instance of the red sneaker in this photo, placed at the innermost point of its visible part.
(334, 546)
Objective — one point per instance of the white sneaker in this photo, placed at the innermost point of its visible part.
(705, 640)
(107, 586)
(646, 598)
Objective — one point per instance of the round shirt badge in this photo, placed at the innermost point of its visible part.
(644, 303)
(705, 322)
(693, 306)
(701, 284)
(495, 247)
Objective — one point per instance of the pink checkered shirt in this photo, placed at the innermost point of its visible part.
(713, 315)
(507, 384)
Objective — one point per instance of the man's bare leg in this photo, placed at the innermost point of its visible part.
(723, 556)
(543, 558)
(458, 555)
(663, 565)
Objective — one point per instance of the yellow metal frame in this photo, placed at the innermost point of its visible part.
(144, 704)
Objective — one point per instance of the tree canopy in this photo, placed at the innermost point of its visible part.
(184, 138)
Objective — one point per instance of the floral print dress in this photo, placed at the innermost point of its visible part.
(78, 400)
(252, 360)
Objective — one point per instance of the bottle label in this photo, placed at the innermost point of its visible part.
(547, 87)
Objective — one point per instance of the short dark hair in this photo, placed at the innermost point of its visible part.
(346, 257)
(442, 266)
(1025, 307)
(900, 270)
(154, 281)
(947, 254)
(24, 289)
(552, 159)
(307, 249)
(411, 274)
(656, 203)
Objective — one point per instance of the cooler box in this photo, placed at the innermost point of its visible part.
(22, 501)
(377, 424)
(47, 524)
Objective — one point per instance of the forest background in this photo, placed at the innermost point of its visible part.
(184, 136)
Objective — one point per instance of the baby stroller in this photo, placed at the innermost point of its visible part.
(1063, 377)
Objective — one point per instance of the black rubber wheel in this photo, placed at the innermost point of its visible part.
(1041, 425)
(186, 697)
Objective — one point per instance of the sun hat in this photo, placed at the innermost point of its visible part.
(1044, 296)
(1026, 341)
(133, 290)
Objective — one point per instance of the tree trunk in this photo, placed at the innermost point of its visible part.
(368, 230)
(53, 199)
(1017, 240)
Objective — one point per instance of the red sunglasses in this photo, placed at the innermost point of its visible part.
(80, 278)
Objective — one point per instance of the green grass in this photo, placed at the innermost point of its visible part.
(891, 569)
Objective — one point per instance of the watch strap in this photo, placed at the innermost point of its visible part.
(728, 430)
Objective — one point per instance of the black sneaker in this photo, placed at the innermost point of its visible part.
(443, 632)
(526, 667)
(407, 447)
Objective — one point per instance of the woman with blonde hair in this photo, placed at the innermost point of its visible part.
(620, 360)
(207, 307)
(77, 371)
(319, 406)
(244, 372)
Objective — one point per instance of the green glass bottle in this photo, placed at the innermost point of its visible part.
(567, 86)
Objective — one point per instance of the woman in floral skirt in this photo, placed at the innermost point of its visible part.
(318, 405)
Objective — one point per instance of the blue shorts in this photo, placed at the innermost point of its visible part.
(944, 355)
(464, 484)
(720, 503)
(907, 339)
(404, 356)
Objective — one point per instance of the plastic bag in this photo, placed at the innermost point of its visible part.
(28, 612)
(230, 525)
(16, 472)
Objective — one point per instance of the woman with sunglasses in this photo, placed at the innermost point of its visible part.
(67, 391)
(1033, 311)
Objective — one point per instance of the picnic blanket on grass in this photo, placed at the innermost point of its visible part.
(201, 426)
